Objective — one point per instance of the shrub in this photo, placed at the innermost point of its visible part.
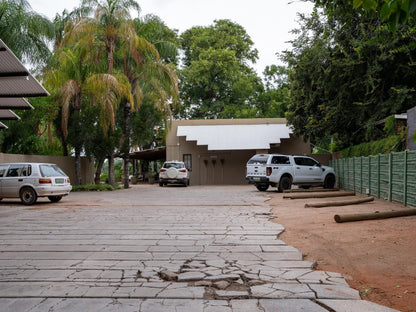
(92, 187)
(394, 143)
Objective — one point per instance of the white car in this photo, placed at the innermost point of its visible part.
(28, 181)
(173, 172)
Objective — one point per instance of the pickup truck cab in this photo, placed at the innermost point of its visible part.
(281, 171)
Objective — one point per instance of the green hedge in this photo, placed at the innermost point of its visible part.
(92, 187)
(394, 143)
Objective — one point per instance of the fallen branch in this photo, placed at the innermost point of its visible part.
(340, 203)
(318, 195)
(374, 215)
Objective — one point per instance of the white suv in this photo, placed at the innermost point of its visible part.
(173, 172)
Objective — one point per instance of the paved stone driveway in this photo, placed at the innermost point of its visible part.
(159, 249)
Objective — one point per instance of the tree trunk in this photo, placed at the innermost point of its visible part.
(126, 147)
(97, 176)
(111, 177)
(135, 169)
(78, 166)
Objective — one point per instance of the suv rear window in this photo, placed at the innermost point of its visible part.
(258, 160)
(174, 165)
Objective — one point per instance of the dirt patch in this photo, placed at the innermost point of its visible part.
(378, 255)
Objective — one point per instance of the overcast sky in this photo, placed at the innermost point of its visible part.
(267, 22)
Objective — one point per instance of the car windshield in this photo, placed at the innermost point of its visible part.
(258, 160)
(174, 165)
(51, 171)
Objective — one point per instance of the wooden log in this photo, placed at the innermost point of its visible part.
(375, 215)
(318, 195)
(310, 190)
(340, 203)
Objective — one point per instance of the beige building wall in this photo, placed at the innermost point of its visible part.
(66, 163)
(223, 167)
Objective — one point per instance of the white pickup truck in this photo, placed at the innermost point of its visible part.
(281, 171)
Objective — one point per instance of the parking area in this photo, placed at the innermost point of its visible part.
(160, 249)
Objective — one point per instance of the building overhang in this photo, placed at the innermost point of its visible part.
(236, 137)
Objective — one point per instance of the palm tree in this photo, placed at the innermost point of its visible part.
(24, 31)
(73, 80)
(111, 21)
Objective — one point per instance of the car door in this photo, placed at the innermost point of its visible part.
(3, 170)
(307, 170)
(14, 179)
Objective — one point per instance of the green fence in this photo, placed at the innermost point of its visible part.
(390, 176)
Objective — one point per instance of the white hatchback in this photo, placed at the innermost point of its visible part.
(28, 181)
(173, 172)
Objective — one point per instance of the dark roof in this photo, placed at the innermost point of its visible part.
(158, 153)
(15, 83)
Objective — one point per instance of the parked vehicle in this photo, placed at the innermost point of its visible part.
(173, 172)
(28, 181)
(281, 171)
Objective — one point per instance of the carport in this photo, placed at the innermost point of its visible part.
(16, 83)
(146, 157)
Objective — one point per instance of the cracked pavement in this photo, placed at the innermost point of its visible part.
(160, 249)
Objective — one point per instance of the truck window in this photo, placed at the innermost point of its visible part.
(305, 161)
(280, 160)
(258, 160)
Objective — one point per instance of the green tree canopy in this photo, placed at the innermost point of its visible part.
(347, 70)
(216, 80)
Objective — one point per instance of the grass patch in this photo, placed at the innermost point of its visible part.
(92, 187)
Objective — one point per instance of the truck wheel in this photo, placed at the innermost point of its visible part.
(329, 181)
(285, 183)
(262, 187)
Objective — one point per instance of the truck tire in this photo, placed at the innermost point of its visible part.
(285, 183)
(262, 187)
(329, 181)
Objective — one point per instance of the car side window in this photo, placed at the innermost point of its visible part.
(3, 169)
(19, 171)
(280, 160)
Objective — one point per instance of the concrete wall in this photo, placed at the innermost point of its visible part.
(411, 128)
(223, 167)
(67, 164)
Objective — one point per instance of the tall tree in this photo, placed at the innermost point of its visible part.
(24, 31)
(216, 80)
(347, 71)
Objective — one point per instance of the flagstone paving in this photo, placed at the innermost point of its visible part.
(160, 249)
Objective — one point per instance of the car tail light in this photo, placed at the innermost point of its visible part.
(182, 170)
(268, 171)
(68, 181)
(162, 170)
(45, 181)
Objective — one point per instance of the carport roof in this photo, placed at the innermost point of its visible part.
(236, 137)
(15, 83)
(158, 153)
(15, 79)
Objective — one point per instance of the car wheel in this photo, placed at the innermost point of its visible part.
(262, 187)
(285, 183)
(28, 196)
(329, 181)
(55, 199)
(172, 173)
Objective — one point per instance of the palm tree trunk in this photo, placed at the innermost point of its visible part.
(77, 166)
(98, 170)
(111, 177)
(126, 147)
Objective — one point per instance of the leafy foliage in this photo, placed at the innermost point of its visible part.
(394, 143)
(216, 81)
(347, 71)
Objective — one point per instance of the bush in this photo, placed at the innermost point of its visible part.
(394, 143)
(92, 187)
